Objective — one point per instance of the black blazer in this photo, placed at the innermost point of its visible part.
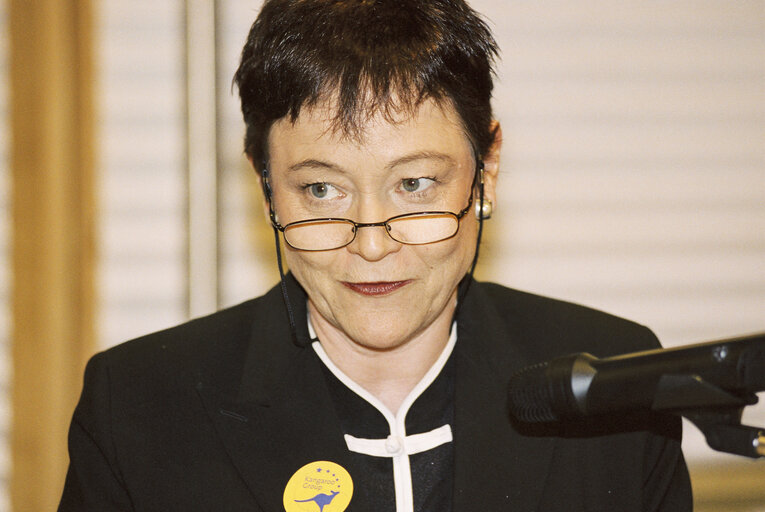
(218, 413)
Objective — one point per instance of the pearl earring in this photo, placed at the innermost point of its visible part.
(485, 211)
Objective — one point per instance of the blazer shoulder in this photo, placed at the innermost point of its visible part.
(554, 327)
(211, 347)
(193, 339)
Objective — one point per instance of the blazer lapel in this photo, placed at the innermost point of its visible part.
(277, 416)
(496, 467)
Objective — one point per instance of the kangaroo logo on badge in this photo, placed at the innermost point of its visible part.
(320, 486)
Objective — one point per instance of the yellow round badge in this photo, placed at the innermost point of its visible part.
(320, 486)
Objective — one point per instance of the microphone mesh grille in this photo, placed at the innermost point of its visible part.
(529, 395)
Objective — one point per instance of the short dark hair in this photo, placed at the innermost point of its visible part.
(374, 56)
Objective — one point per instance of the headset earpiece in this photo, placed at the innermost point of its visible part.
(484, 212)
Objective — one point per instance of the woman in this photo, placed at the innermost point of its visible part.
(374, 377)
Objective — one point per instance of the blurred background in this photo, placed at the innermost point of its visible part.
(632, 180)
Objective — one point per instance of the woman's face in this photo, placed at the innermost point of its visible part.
(376, 291)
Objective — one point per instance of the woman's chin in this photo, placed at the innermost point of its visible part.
(384, 322)
(379, 338)
(383, 331)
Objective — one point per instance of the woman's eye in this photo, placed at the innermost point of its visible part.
(320, 190)
(416, 184)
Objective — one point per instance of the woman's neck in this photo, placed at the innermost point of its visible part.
(390, 374)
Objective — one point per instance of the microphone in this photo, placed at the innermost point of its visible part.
(706, 376)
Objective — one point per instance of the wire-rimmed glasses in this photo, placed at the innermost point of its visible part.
(326, 234)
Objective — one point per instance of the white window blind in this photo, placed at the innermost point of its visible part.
(634, 169)
(142, 184)
(143, 281)
(248, 262)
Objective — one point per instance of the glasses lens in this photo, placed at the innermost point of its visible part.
(423, 228)
(319, 235)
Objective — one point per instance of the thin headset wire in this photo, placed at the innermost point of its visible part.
(466, 288)
(293, 326)
(282, 279)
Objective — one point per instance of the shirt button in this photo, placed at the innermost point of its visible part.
(393, 445)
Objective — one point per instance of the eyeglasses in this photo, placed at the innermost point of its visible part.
(327, 234)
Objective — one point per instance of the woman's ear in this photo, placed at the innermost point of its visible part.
(491, 164)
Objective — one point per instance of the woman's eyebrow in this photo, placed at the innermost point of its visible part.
(422, 155)
(311, 163)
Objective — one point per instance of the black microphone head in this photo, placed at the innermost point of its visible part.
(551, 391)
(529, 395)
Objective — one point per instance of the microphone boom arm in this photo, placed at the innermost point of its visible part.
(708, 383)
(714, 411)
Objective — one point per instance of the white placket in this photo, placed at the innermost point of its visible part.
(398, 445)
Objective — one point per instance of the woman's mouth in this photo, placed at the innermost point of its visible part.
(378, 288)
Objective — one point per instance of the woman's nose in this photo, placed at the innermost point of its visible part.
(373, 242)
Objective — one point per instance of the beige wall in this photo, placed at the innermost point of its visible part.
(5, 359)
(51, 218)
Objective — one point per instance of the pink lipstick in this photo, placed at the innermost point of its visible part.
(374, 289)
